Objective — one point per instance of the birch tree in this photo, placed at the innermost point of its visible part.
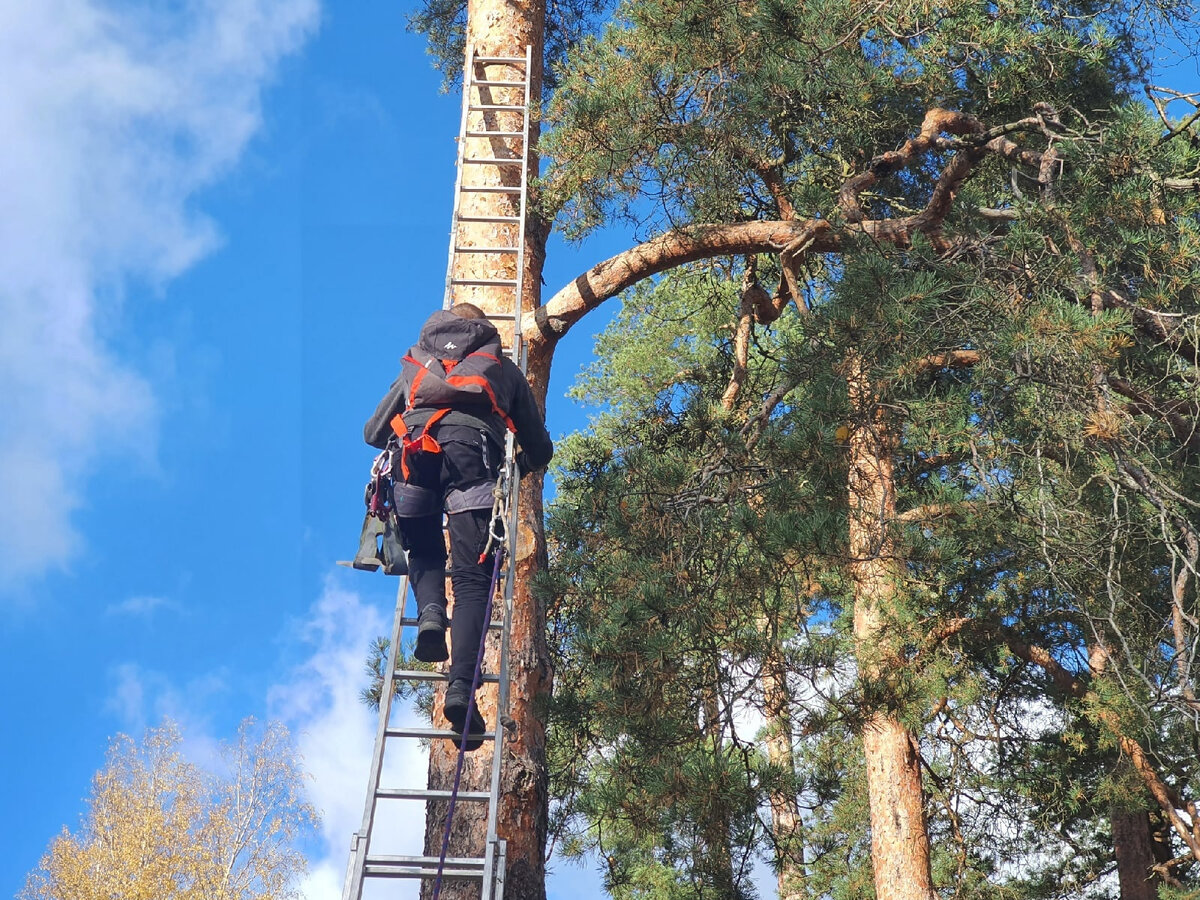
(158, 827)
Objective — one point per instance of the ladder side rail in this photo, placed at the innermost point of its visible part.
(386, 693)
(489, 861)
(468, 68)
(502, 868)
(349, 879)
(493, 881)
(495, 885)
(524, 211)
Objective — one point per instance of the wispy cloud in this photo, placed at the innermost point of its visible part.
(140, 698)
(141, 606)
(114, 118)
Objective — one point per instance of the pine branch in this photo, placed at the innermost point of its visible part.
(930, 511)
(741, 340)
(1185, 428)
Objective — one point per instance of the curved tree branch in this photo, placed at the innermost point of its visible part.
(741, 339)
(796, 236)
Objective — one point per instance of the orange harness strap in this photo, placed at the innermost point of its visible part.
(426, 443)
(483, 384)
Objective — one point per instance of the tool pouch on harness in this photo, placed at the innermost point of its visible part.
(379, 545)
(379, 541)
(477, 496)
(414, 502)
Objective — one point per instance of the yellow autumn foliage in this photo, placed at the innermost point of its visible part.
(157, 827)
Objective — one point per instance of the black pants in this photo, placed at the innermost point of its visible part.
(461, 464)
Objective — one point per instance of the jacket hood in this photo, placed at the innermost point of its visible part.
(448, 336)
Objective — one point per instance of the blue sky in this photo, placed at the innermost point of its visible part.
(217, 243)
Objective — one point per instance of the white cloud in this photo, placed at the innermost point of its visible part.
(114, 117)
(141, 606)
(335, 733)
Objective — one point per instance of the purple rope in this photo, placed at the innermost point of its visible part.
(462, 747)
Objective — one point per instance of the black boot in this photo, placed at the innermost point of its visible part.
(458, 694)
(431, 634)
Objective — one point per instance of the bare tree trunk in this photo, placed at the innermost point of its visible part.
(525, 810)
(899, 840)
(716, 868)
(1134, 848)
(785, 811)
(504, 28)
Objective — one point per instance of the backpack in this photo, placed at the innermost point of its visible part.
(467, 384)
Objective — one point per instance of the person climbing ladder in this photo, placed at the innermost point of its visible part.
(446, 413)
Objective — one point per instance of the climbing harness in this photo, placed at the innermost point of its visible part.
(440, 390)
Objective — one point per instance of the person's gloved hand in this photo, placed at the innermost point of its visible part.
(523, 467)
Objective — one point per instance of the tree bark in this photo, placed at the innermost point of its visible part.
(899, 840)
(785, 811)
(716, 867)
(504, 28)
(1134, 850)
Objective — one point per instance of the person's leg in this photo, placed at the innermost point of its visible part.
(419, 519)
(469, 473)
(470, 470)
(471, 579)
(426, 559)
(426, 546)
(468, 534)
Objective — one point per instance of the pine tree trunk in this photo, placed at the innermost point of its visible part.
(785, 811)
(500, 28)
(899, 840)
(717, 865)
(1134, 848)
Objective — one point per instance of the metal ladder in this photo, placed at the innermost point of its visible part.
(468, 235)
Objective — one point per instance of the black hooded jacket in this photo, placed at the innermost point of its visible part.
(479, 392)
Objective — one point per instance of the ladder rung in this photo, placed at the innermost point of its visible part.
(519, 84)
(427, 794)
(506, 134)
(497, 107)
(427, 675)
(507, 317)
(485, 282)
(489, 189)
(437, 733)
(487, 249)
(491, 161)
(428, 862)
(489, 218)
(396, 872)
(499, 59)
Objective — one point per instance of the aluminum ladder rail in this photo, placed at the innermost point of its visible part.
(490, 868)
